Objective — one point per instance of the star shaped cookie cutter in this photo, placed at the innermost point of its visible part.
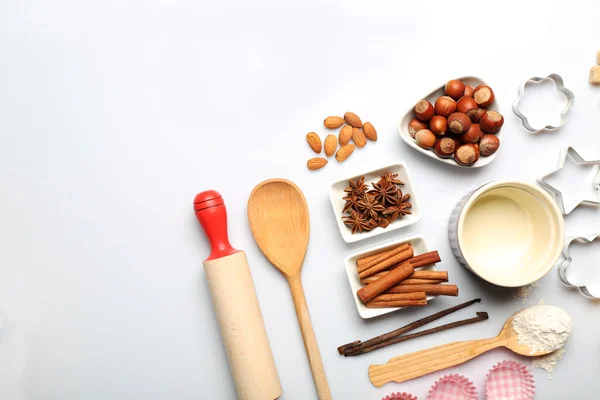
(595, 180)
(565, 261)
(560, 86)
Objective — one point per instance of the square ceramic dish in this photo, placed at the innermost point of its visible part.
(336, 193)
(420, 246)
(431, 97)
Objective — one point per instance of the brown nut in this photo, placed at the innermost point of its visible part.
(459, 123)
(333, 122)
(469, 91)
(472, 135)
(491, 122)
(344, 152)
(358, 137)
(415, 126)
(467, 105)
(438, 125)
(489, 144)
(444, 147)
(370, 131)
(352, 119)
(483, 95)
(316, 163)
(425, 138)
(455, 89)
(466, 154)
(314, 141)
(330, 145)
(424, 110)
(476, 116)
(445, 106)
(345, 135)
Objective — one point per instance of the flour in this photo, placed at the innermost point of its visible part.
(524, 292)
(548, 362)
(542, 328)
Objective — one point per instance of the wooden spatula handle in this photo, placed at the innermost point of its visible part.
(310, 341)
(414, 365)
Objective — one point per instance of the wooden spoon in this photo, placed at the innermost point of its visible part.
(280, 225)
(414, 365)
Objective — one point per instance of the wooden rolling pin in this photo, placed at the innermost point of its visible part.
(236, 306)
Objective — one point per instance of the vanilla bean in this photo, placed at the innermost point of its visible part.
(481, 316)
(356, 345)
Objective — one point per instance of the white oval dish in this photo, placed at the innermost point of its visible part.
(420, 246)
(431, 97)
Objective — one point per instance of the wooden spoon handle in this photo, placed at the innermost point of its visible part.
(310, 341)
(414, 365)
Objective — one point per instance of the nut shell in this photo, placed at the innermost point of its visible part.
(491, 122)
(444, 147)
(476, 116)
(472, 135)
(445, 106)
(438, 125)
(489, 144)
(483, 95)
(455, 89)
(370, 131)
(459, 123)
(467, 105)
(353, 120)
(415, 126)
(466, 154)
(345, 135)
(469, 91)
(424, 110)
(333, 122)
(425, 138)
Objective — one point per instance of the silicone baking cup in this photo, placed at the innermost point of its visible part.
(453, 387)
(509, 380)
(400, 396)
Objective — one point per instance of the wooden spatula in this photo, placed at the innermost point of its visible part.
(280, 224)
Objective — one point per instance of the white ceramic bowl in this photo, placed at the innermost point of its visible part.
(509, 233)
(432, 97)
(420, 246)
(336, 193)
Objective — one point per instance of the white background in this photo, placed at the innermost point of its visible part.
(114, 114)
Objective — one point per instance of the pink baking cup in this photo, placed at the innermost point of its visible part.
(453, 387)
(400, 396)
(509, 380)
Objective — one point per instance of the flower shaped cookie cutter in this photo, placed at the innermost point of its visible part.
(565, 261)
(593, 178)
(560, 86)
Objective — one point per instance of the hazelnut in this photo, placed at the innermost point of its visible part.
(445, 106)
(483, 95)
(467, 105)
(489, 144)
(444, 147)
(466, 154)
(455, 89)
(472, 135)
(468, 91)
(476, 116)
(424, 110)
(425, 138)
(438, 125)
(415, 126)
(459, 123)
(491, 122)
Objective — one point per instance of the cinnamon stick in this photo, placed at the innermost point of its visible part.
(431, 290)
(421, 260)
(442, 276)
(399, 296)
(352, 346)
(397, 303)
(395, 276)
(388, 262)
(368, 261)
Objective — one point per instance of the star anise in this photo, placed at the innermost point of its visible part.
(383, 222)
(384, 192)
(357, 188)
(357, 222)
(392, 178)
(370, 206)
(399, 208)
(351, 203)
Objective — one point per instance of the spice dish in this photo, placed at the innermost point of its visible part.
(419, 245)
(337, 194)
(471, 82)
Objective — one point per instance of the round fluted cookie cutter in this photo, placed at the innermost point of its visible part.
(453, 387)
(509, 380)
(400, 396)
(565, 261)
(560, 86)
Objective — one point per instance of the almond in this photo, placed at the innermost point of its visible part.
(358, 137)
(330, 145)
(345, 135)
(344, 152)
(314, 141)
(353, 120)
(370, 131)
(316, 163)
(333, 122)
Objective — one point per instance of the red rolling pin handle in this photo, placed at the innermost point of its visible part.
(212, 215)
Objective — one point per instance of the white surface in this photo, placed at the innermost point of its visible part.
(114, 114)
(420, 246)
(432, 97)
(336, 193)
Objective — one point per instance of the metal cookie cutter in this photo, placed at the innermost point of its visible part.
(559, 86)
(593, 178)
(565, 260)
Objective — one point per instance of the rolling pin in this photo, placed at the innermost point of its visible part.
(236, 306)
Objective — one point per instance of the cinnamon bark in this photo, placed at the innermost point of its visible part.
(388, 262)
(421, 260)
(399, 296)
(368, 261)
(397, 303)
(439, 276)
(431, 290)
(395, 276)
